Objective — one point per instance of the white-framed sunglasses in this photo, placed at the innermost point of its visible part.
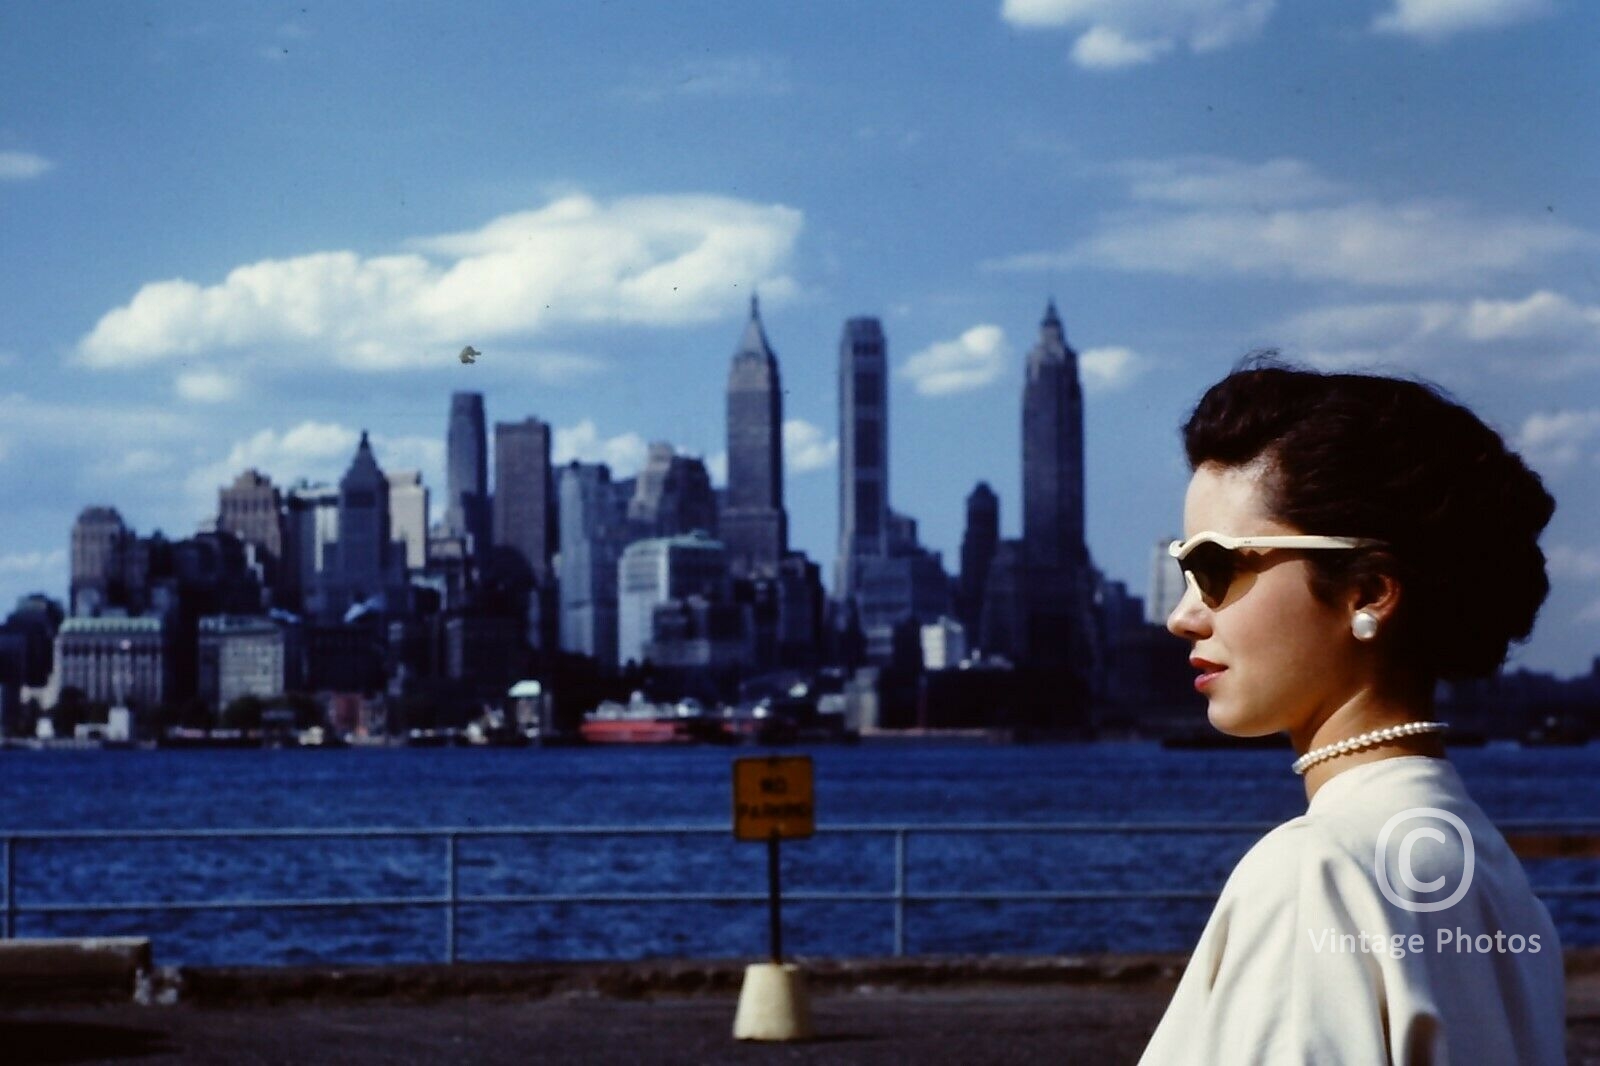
(1209, 561)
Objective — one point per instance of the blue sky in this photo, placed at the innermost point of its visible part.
(236, 235)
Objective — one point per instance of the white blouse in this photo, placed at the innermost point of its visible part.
(1306, 959)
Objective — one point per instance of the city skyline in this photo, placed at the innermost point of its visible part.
(239, 238)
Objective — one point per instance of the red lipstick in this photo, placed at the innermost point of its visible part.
(1209, 671)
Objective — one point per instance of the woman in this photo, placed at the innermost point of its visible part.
(1350, 541)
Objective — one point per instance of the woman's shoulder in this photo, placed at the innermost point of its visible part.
(1303, 846)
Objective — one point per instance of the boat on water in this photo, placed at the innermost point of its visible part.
(641, 721)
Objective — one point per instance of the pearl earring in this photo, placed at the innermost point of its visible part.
(1364, 625)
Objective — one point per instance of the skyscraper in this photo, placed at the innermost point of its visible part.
(753, 524)
(863, 451)
(466, 512)
(1052, 451)
(672, 495)
(593, 527)
(524, 494)
(311, 526)
(978, 545)
(364, 567)
(252, 510)
(1057, 580)
(408, 515)
(99, 543)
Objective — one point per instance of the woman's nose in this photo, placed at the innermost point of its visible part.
(1190, 620)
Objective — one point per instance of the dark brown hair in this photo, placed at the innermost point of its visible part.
(1360, 455)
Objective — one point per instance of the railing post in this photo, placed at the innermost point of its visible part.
(450, 898)
(11, 890)
(899, 893)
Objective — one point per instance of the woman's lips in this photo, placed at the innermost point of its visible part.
(1209, 672)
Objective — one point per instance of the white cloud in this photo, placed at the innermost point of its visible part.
(718, 76)
(806, 447)
(1121, 33)
(1565, 561)
(1434, 20)
(549, 368)
(1216, 181)
(1103, 48)
(1109, 368)
(650, 260)
(22, 166)
(1203, 216)
(115, 426)
(971, 361)
(50, 562)
(1590, 613)
(1559, 438)
(624, 453)
(1543, 336)
(717, 469)
(206, 386)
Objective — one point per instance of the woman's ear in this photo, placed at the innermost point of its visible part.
(1377, 593)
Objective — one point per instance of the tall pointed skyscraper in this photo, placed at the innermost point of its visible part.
(753, 524)
(1057, 578)
(362, 566)
(863, 451)
(1052, 450)
(466, 511)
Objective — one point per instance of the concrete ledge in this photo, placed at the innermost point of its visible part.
(668, 977)
(95, 968)
(642, 979)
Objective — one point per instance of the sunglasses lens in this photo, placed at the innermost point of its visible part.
(1213, 570)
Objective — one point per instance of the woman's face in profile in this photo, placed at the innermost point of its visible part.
(1269, 656)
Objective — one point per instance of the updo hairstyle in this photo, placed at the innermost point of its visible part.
(1357, 455)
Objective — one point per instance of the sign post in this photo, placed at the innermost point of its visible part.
(772, 801)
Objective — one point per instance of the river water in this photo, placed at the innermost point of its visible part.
(873, 783)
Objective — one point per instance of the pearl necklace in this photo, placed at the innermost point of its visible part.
(1365, 740)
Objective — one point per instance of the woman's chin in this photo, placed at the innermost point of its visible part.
(1235, 726)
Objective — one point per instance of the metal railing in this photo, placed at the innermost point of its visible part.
(1530, 838)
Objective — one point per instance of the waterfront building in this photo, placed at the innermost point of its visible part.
(483, 651)
(467, 504)
(364, 569)
(593, 517)
(651, 572)
(944, 644)
(753, 523)
(116, 660)
(99, 544)
(1166, 585)
(979, 542)
(344, 656)
(27, 658)
(863, 451)
(408, 515)
(700, 635)
(1003, 621)
(242, 655)
(252, 510)
(801, 611)
(311, 524)
(524, 495)
(672, 496)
